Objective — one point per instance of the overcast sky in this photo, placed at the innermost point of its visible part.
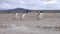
(30, 4)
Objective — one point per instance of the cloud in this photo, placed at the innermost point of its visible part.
(49, 2)
(29, 4)
(11, 4)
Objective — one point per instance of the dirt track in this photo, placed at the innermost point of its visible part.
(49, 20)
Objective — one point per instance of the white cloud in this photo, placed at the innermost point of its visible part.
(29, 4)
(6, 6)
(49, 2)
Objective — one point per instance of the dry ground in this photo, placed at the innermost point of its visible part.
(28, 24)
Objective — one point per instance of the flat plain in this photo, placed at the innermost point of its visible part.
(29, 24)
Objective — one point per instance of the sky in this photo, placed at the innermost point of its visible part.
(30, 4)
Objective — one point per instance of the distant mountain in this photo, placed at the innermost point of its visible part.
(19, 9)
(14, 10)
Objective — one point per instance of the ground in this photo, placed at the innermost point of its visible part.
(29, 25)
